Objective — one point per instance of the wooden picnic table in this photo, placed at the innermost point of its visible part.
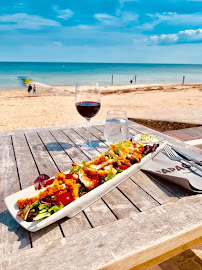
(142, 222)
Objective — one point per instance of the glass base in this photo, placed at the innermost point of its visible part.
(87, 146)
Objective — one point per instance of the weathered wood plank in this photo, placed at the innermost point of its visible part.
(99, 127)
(27, 169)
(41, 129)
(12, 237)
(119, 204)
(194, 131)
(41, 156)
(100, 146)
(45, 165)
(99, 214)
(60, 157)
(153, 264)
(137, 196)
(122, 244)
(69, 147)
(158, 192)
(97, 133)
(75, 225)
(78, 141)
(178, 134)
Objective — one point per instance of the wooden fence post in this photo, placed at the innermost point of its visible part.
(112, 79)
(183, 79)
(135, 79)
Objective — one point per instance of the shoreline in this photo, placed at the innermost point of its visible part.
(55, 106)
(107, 88)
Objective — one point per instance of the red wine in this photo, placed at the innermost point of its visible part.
(88, 109)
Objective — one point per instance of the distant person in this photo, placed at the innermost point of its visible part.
(34, 89)
(29, 88)
(131, 81)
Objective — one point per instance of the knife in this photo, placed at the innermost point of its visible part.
(187, 156)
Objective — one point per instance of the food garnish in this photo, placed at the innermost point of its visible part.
(146, 138)
(52, 194)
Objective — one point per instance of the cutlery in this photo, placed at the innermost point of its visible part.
(172, 155)
(186, 156)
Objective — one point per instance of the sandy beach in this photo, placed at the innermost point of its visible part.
(54, 105)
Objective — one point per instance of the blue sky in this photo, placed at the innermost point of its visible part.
(141, 31)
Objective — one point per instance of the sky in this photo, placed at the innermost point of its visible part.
(128, 31)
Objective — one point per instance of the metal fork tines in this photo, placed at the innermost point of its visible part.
(174, 156)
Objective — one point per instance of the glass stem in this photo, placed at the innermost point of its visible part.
(88, 142)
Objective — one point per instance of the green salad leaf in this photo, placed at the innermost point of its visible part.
(55, 208)
(119, 170)
(109, 176)
(35, 204)
(43, 206)
(42, 215)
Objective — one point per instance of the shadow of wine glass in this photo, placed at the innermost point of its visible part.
(54, 146)
(95, 144)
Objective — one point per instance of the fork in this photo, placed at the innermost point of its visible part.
(174, 156)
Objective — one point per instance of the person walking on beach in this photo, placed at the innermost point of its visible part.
(29, 88)
(34, 89)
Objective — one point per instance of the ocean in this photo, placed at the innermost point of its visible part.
(11, 73)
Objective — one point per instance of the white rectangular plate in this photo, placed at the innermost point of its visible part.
(78, 205)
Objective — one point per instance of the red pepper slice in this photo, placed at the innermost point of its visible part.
(64, 198)
(49, 182)
(123, 167)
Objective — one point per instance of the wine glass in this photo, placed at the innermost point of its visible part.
(87, 101)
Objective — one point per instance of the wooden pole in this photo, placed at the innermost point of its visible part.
(183, 79)
(135, 80)
(112, 79)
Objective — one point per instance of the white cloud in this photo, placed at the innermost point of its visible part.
(106, 19)
(121, 19)
(172, 18)
(25, 21)
(64, 14)
(84, 27)
(57, 43)
(129, 16)
(186, 36)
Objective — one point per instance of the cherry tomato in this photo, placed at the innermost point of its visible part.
(95, 179)
(123, 167)
(69, 176)
(64, 198)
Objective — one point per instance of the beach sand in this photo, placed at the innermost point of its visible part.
(54, 105)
